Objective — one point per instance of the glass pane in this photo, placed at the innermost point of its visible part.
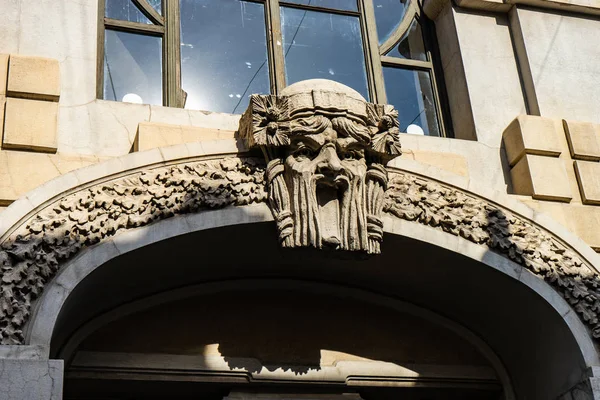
(157, 5)
(411, 45)
(132, 67)
(349, 5)
(388, 15)
(411, 92)
(323, 45)
(223, 53)
(125, 10)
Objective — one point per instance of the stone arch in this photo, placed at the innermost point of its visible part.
(44, 232)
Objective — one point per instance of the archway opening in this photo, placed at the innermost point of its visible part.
(530, 340)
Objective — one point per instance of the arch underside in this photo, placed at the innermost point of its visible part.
(526, 335)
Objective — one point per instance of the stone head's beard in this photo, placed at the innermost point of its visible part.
(327, 213)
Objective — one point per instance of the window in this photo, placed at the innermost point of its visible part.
(212, 54)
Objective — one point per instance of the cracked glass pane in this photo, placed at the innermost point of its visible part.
(323, 45)
(411, 46)
(223, 54)
(411, 93)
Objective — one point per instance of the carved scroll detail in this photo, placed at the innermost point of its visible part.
(32, 255)
(482, 222)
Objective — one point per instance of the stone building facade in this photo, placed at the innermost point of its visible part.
(314, 243)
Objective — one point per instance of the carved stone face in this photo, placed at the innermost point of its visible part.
(325, 176)
(326, 148)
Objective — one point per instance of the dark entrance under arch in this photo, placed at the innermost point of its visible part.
(529, 337)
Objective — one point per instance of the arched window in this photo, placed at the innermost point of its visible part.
(212, 54)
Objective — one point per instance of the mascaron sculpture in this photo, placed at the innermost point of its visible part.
(326, 149)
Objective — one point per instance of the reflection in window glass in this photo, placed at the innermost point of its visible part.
(132, 68)
(125, 10)
(157, 5)
(388, 15)
(349, 5)
(411, 45)
(410, 91)
(323, 45)
(223, 53)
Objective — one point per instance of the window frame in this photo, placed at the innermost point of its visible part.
(167, 26)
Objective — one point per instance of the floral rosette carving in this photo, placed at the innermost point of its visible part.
(386, 136)
(266, 121)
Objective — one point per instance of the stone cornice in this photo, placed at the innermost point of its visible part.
(38, 246)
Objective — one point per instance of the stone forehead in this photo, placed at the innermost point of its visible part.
(320, 96)
(323, 85)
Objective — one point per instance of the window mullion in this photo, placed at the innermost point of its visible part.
(372, 59)
(100, 61)
(173, 95)
(275, 46)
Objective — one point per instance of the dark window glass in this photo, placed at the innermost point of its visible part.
(157, 5)
(410, 91)
(125, 10)
(323, 45)
(388, 15)
(223, 53)
(411, 45)
(132, 68)
(348, 5)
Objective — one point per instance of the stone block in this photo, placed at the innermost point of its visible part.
(588, 177)
(543, 178)
(583, 139)
(529, 134)
(34, 77)
(152, 135)
(2, 107)
(3, 73)
(31, 380)
(30, 125)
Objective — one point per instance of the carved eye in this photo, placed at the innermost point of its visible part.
(304, 152)
(351, 155)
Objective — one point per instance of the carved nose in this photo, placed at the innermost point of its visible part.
(330, 163)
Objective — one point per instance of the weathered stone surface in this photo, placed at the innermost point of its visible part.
(494, 101)
(31, 380)
(3, 73)
(153, 135)
(34, 77)
(583, 139)
(30, 125)
(326, 149)
(559, 49)
(529, 134)
(22, 171)
(543, 178)
(588, 177)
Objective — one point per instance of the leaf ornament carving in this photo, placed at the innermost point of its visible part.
(32, 255)
(448, 209)
(386, 135)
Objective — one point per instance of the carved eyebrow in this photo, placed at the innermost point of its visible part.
(348, 143)
(310, 140)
